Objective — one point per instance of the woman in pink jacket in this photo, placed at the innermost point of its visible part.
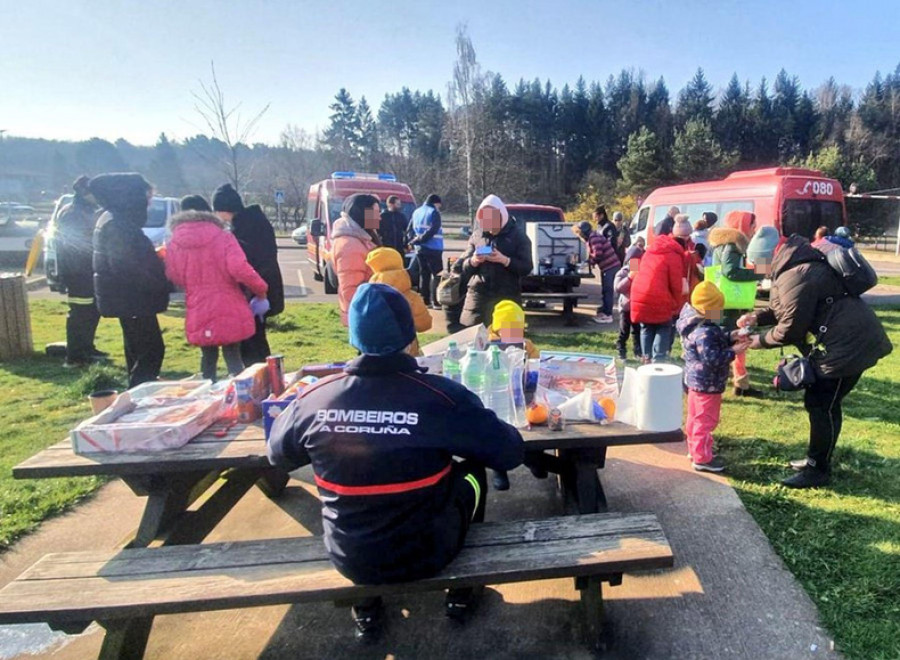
(351, 243)
(206, 260)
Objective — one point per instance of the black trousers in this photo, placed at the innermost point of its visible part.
(626, 330)
(209, 359)
(81, 327)
(822, 401)
(144, 348)
(256, 348)
(430, 266)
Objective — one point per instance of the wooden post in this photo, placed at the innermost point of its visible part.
(15, 324)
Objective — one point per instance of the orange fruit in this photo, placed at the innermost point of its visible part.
(609, 407)
(536, 413)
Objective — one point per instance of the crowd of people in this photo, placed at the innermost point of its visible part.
(223, 256)
(398, 509)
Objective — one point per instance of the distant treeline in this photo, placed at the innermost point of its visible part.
(528, 142)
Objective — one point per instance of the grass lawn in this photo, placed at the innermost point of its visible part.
(892, 280)
(842, 542)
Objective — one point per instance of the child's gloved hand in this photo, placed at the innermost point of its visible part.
(259, 307)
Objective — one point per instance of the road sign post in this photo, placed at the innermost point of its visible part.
(279, 200)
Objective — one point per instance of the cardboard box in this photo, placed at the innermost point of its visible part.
(563, 374)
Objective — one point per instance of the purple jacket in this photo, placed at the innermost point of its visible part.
(603, 253)
(707, 352)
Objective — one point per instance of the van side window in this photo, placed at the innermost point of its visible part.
(659, 213)
(742, 205)
(642, 219)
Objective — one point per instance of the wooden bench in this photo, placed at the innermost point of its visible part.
(569, 301)
(123, 590)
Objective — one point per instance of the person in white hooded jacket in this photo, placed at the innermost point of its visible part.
(496, 259)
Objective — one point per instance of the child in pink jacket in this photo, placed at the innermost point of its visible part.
(206, 260)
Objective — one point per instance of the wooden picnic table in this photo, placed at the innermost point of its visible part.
(225, 463)
(230, 465)
(579, 451)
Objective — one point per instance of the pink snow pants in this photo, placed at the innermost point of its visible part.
(702, 419)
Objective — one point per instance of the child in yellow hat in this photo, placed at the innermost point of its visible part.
(508, 327)
(708, 353)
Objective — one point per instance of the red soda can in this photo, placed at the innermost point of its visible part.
(275, 367)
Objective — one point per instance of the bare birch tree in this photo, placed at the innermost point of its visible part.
(463, 102)
(226, 124)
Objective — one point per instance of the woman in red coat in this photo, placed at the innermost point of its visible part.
(657, 296)
(206, 260)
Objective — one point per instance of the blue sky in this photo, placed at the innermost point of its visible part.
(78, 69)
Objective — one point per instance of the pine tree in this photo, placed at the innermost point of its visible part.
(642, 165)
(695, 101)
(659, 113)
(784, 111)
(697, 155)
(368, 134)
(732, 121)
(343, 135)
(763, 149)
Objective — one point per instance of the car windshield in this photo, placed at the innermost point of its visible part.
(156, 213)
(804, 216)
(334, 209)
(536, 215)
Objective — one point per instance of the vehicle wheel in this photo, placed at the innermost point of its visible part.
(331, 281)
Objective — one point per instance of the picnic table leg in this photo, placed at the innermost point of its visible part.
(596, 631)
(580, 483)
(167, 499)
(125, 639)
(569, 311)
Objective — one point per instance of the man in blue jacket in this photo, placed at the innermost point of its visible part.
(382, 437)
(428, 239)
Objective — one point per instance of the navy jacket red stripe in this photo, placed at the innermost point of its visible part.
(378, 436)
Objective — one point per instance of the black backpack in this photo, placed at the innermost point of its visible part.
(857, 274)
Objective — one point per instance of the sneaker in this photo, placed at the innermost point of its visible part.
(748, 391)
(460, 603)
(97, 354)
(538, 472)
(715, 465)
(602, 319)
(807, 477)
(367, 619)
(500, 480)
(799, 464)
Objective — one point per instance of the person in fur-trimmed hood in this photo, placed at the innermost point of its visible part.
(256, 236)
(204, 258)
(729, 245)
(351, 244)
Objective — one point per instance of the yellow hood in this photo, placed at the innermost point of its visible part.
(387, 266)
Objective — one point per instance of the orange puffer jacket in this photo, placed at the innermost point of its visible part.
(350, 244)
(387, 268)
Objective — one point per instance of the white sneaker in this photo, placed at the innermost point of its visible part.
(602, 319)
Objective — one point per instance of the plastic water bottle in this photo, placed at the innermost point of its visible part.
(473, 373)
(499, 396)
(451, 364)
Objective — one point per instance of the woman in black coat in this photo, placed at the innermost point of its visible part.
(129, 278)
(497, 258)
(808, 300)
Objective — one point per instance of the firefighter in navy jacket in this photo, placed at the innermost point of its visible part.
(381, 437)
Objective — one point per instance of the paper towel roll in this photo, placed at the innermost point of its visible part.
(625, 411)
(658, 400)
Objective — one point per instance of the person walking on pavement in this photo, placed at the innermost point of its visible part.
(74, 254)
(129, 278)
(429, 244)
(392, 229)
(603, 256)
(254, 232)
(396, 506)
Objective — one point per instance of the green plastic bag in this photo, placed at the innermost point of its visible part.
(738, 295)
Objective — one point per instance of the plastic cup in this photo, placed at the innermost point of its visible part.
(101, 400)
